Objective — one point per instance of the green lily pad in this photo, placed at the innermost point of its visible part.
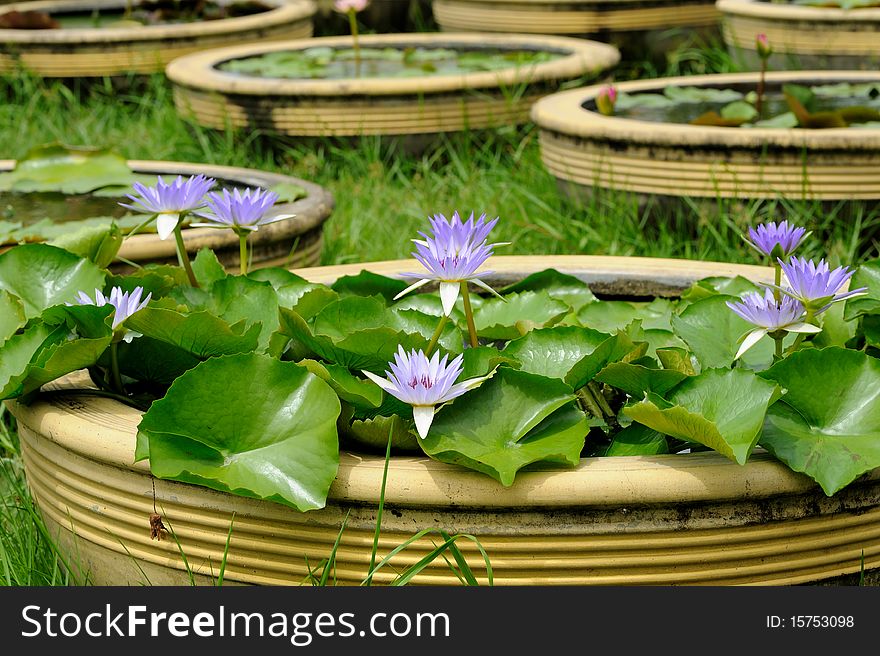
(569, 289)
(42, 275)
(637, 379)
(373, 432)
(67, 170)
(511, 420)
(497, 319)
(359, 392)
(207, 268)
(18, 351)
(827, 424)
(100, 244)
(568, 353)
(867, 275)
(722, 409)
(250, 425)
(12, 315)
(637, 440)
(367, 283)
(611, 316)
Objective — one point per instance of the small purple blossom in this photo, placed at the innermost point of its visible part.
(452, 255)
(169, 201)
(240, 211)
(125, 304)
(424, 383)
(817, 286)
(776, 240)
(769, 316)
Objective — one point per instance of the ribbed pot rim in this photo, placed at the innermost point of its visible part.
(563, 113)
(104, 430)
(310, 211)
(792, 12)
(282, 12)
(199, 70)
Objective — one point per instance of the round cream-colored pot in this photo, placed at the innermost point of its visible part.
(641, 28)
(585, 150)
(293, 242)
(381, 106)
(99, 52)
(802, 37)
(670, 519)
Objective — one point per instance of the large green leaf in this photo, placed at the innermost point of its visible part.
(713, 332)
(150, 360)
(728, 285)
(570, 353)
(367, 283)
(67, 170)
(827, 424)
(513, 419)
(374, 432)
(722, 409)
(18, 351)
(100, 244)
(250, 425)
(497, 319)
(207, 268)
(867, 275)
(42, 276)
(296, 293)
(636, 379)
(359, 392)
(11, 315)
(637, 440)
(611, 316)
(569, 289)
(156, 279)
(200, 333)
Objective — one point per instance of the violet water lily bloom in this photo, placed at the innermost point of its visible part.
(817, 286)
(169, 201)
(423, 383)
(776, 240)
(452, 255)
(240, 210)
(769, 316)
(125, 304)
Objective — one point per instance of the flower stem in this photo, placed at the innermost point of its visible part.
(778, 354)
(469, 314)
(759, 103)
(243, 254)
(353, 24)
(600, 398)
(588, 402)
(436, 336)
(183, 257)
(115, 377)
(777, 280)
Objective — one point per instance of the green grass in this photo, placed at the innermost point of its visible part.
(383, 196)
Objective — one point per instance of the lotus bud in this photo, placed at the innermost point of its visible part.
(605, 101)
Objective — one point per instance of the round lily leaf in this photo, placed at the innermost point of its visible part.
(637, 379)
(17, 353)
(497, 319)
(374, 432)
(569, 289)
(637, 440)
(867, 275)
(611, 316)
(722, 409)
(827, 424)
(367, 283)
(11, 315)
(250, 425)
(511, 420)
(42, 275)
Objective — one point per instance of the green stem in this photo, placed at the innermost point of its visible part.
(777, 280)
(115, 376)
(436, 336)
(600, 399)
(778, 354)
(243, 253)
(469, 314)
(182, 255)
(353, 24)
(588, 402)
(759, 103)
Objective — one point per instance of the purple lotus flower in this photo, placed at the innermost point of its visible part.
(816, 286)
(776, 240)
(424, 383)
(452, 255)
(769, 316)
(240, 211)
(169, 201)
(125, 304)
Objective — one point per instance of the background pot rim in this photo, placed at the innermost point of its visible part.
(787, 12)
(311, 211)
(563, 113)
(281, 13)
(104, 430)
(197, 70)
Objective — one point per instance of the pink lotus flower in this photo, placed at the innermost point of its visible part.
(345, 6)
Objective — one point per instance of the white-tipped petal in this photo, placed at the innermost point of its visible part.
(423, 416)
(381, 382)
(449, 295)
(751, 339)
(280, 217)
(165, 224)
(803, 328)
(415, 285)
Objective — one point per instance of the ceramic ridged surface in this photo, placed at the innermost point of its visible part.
(561, 18)
(798, 38)
(697, 519)
(371, 106)
(583, 147)
(98, 52)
